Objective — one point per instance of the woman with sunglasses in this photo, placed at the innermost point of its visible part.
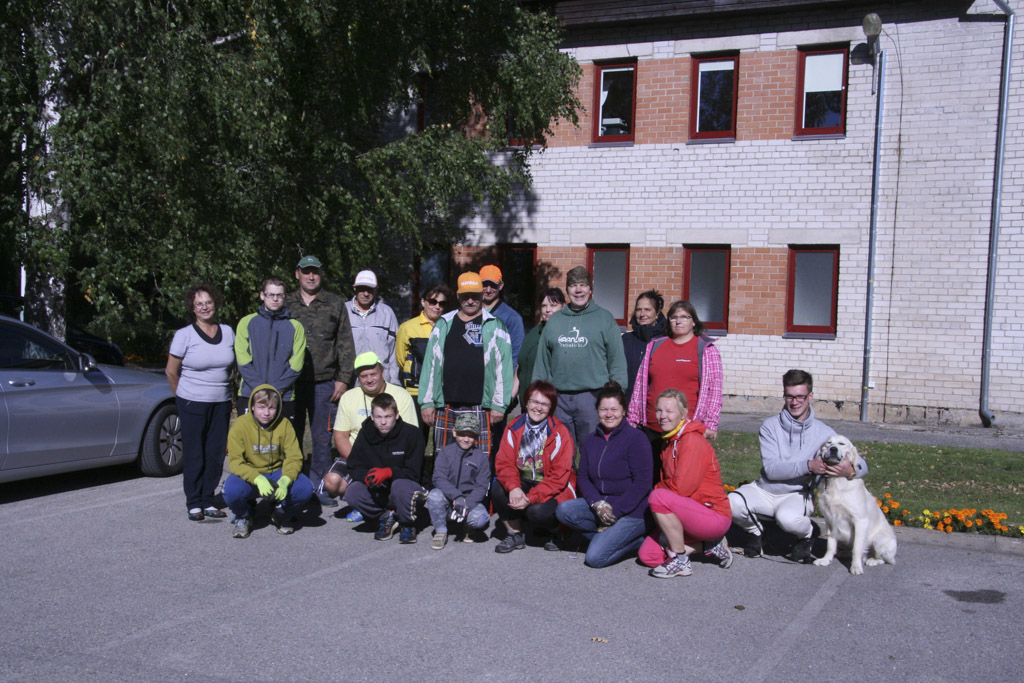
(686, 359)
(411, 341)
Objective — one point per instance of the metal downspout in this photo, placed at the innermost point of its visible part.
(986, 415)
(872, 239)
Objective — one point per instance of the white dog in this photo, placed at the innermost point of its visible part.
(852, 515)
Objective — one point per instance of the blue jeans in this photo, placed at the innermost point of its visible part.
(609, 546)
(239, 494)
(313, 402)
(438, 506)
(204, 440)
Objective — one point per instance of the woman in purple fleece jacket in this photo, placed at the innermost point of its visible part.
(614, 479)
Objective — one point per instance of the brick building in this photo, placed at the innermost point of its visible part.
(726, 156)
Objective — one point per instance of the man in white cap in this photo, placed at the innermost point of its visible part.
(374, 324)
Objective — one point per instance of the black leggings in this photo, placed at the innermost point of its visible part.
(537, 515)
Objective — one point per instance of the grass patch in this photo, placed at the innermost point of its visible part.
(920, 477)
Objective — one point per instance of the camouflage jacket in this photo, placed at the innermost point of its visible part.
(330, 351)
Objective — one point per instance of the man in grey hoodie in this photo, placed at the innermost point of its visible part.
(790, 468)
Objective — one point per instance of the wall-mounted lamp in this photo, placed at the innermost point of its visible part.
(872, 26)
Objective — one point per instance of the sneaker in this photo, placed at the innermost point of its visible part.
(722, 553)
(439, 540)
(285, 523)
(752, 548)
(553, 544)
(355, 517)
(474, 536)
(326, 501)
(387, 527)
(675, 566)
(407, 534)
(240, 527)
(802, 550)
(514, 541)
(196, 514)
(214, 513)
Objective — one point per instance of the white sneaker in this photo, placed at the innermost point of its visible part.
(439, 540)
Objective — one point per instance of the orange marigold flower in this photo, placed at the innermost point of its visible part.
(888, 495)
(885, 509)
(948, 520)
(968, 524)
(898, 522)
(878, 502)
(939, 527)
(893, 504)
(949, 529)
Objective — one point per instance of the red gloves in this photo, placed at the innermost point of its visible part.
(377, 476)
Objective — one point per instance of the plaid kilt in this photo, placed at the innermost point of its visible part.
(444, 423)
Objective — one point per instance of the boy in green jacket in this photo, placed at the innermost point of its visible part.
(265, 462)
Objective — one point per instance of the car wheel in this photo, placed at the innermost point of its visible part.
(160, 451)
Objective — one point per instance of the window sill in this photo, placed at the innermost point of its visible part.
(828, 136)
(716, 333)
(709, 141)
(598, 145)
(827, 336)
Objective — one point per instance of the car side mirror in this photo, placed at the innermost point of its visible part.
(86, 363)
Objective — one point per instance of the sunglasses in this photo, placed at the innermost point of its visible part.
(436, 302)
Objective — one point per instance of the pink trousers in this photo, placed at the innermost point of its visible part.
(700, 523)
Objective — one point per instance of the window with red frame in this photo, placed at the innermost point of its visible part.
(609, 266)
(706, 285)
(614, 102)
(713, 97)
(812, 291)
(821, 91)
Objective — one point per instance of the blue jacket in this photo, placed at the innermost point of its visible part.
(617, 467)
(270, 348)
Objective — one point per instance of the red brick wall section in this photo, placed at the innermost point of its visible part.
(662, 100)
(554, 262)
(757, 290)
(565, 134)
(659, 268)
(766, 106)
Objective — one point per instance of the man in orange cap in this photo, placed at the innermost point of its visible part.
(467, 366)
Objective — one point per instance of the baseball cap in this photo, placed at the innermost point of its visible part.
(469, 282)
(467, 422)
(492, 273)
(310, 262)
(578, 275)
(367, 359)
(365, 278)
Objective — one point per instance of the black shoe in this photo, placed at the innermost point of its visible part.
(407, 535)
(554, 544)
(802, 551)
(387, 527)
(326, 501)
(752, 548)
(196, 515)
(511, 542)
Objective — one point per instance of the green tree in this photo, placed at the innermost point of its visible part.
(220, 140)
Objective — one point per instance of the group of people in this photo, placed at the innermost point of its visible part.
(612, 449)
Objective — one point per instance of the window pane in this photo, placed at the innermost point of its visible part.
(714, 96)
(708, 285)
(617, 101)
(823, 90)
(610, 281)
(433, 269)
(812, 289)
(520, 283)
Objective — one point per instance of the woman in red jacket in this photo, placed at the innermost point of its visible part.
(689, 503)
(533, 469)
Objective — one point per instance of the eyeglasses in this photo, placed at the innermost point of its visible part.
(798, 398)
(681, 318)
(436, 302)
(273, 296)
(204, 304)
(488, 284)
(363, 288)
(537, 404)
(469, 296)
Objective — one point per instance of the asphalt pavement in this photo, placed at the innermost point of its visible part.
(103, 578)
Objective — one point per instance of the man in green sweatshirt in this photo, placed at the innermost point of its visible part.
(579, 351)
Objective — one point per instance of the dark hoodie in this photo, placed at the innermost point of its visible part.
(401, 449)
(255, 449)
(270, 348)
(634, 344)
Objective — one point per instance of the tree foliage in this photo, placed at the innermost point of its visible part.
(220, 140)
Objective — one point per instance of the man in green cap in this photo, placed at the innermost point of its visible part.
(326, 372)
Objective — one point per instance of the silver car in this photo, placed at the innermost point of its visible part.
(60, 411)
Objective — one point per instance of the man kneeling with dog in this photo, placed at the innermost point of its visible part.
(790, 467)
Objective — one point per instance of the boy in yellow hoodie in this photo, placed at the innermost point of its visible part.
(265, 461)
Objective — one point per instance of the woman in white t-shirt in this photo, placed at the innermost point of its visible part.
(198, 370)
